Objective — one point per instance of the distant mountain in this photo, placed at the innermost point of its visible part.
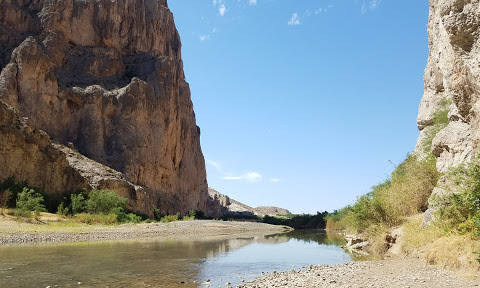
(219, 205)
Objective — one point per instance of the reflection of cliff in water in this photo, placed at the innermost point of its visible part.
(317, 236)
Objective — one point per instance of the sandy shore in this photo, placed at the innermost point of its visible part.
(14, 233)
(396, 272)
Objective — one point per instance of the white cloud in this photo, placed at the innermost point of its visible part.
(204, 37)
(364, 8)
(369, 5)
(374, 4)
(215, 164)
(252, 2)
(319, 10)
(294, 20)
(274, 180)
(250, 177)
(222, 10)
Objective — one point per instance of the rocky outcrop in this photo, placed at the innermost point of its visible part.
(452, 83)
(219, 205)
(28, 154)
(108, 77)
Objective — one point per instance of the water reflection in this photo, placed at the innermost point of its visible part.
(164, 263)
(317, 236)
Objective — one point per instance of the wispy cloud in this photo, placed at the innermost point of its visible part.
(364, 9)
(252, 2)
(274, 180)
(207, 36)
(294, 20)
(215, 164)
(222, 9)
(369, 5)
(323, 9)
(250, 177)
(374, 4)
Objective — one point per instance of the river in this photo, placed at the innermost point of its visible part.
(166, 263)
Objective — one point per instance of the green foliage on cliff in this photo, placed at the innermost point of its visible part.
(405, 193)
(440, 120)
(460, 209)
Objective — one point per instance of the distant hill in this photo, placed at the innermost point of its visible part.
(219, 205)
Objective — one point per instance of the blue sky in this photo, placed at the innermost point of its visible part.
(303, 104)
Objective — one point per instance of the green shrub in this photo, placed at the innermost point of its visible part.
(170, 218)
(9, 190)
(131, 218)
(440, 120)
(156, 214)
(460, 209)
(404, 194)
(104, 201)
(29, 200)
(105, 219)
(61, 210)
(77, 203)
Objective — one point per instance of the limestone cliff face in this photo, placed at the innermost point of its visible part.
(452, 82)
(452, 77)
(107, 75)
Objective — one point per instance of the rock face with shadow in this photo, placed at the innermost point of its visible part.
(452, 85)
(107, 77)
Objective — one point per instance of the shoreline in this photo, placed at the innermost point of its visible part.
(15, 233)
(397, 271)
(392, 272)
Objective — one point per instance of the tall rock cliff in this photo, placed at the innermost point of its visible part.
(452, 84)
(107, 76)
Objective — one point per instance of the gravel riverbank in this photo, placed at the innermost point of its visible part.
(13, 233)
(396, 272)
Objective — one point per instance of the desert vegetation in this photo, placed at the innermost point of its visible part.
(401, 199)
(389, 203)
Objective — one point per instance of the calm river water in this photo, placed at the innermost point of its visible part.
(165, 263)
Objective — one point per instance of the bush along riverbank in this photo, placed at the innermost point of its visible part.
(93, 207)
(394, 208)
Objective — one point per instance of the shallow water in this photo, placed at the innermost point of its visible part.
(166, 263)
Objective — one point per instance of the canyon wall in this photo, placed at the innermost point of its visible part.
(106, 78)
(452, 85)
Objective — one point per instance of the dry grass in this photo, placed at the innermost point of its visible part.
(103, 219)
(454, 251)
(415, 237)
(439, 248)
(333, 225)
(376, 235)
(411, 186)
